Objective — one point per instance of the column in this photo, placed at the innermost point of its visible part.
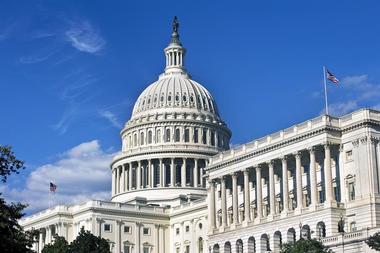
(285, 184)
(113, 182)
(299, 180)
(313, 178)
(130, 176)
(223, 201)
(40, 242)
(151, 174)
(259, 193)
(247, 199)
(48, 235)
(234, 199)
(271, 189)
(138, 237)
(195, 171)
(161, 173)
(328, 176)
(211, 204)
(117, 236)
(143, 176)
(138, 175)
(123, 178)
(162, 236)
(172, 173)
(117, 183)
(183, 173)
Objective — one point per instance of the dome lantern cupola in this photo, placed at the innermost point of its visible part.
(175, 52)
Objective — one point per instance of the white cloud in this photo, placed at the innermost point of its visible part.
(354, 92)
(110, 117)
(85, 38)
(81, 173)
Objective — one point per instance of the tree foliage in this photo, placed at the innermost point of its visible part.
(374, 241)
(13, 238)
(305, 246)
(59, 245)
(89, 243)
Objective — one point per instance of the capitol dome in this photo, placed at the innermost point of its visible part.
(174, 129)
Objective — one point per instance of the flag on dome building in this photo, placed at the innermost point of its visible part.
(53, 187)
(332, 77)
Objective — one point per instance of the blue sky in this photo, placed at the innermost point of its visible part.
(70, 72)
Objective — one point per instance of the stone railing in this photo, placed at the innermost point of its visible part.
(339, 239)
(45, 213)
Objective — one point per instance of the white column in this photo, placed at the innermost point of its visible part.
(138, 175)
(223, 201)
(313, 178)
(247, 199)
(160, 169)
(328, 176)
(299, 180)
(143, 176)
(113, 181)
(234, 199)
(151, 174)
(117, 236)
(259, 193)
(211, 203)
(117, 183)
(40, 242)
(172, 173)
(163, 174)
(162, 235)
(130, 176)
(271, 189)
(195, 171)
(183, 173)
(285, 184)
(123, 178)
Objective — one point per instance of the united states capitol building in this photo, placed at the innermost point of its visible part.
(177, 187)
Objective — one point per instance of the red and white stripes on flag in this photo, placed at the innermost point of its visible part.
(332, 77)
(53, 187)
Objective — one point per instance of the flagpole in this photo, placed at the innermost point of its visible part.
(324, 80)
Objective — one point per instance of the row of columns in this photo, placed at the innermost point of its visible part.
(46, 234)
(152, 173)
(329, 196)
(174, 58)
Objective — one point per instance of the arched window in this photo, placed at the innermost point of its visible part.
(353, 227)
(321, 230)
(187, 135)
(130, 141)
(158, 136)
(167, 135)
(239, 246)
(177, 135)
(251, 245)
(215, 249)
(142, 138)
(200, 245)
(196, 134)
(150, 136)
(135, 140)
(227, 247)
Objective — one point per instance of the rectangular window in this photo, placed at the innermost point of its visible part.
(349, 155)
(351, 191)
(127, 249)
(146, 231)
(204, 136)
(146, 249)
(177, 231)
(187, 228)
(187, 249)
(107, 227)
(195, 135)
(127, 229)
(177, 250)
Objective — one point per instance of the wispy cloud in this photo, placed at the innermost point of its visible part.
(85, 38)
(81, 173)
(110, 117)
(355, 92)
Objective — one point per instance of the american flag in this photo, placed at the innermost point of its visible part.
(331, 77)
(53, 187)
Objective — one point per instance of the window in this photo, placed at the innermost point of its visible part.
(177, 135)
(349, 155)
(200, 244)
(184, 98)
(195, 135)
(146, 231)
(187, 137)
(107, 227)
(353, 227)
(187, 228)
(146, 249)
(204, 136)
(150, 137)
(127, 229)
(200, 225)
(351, 191)
(127, 249)
(158, 136)
(177, 231)
(187, 250)
(167, 135)
(177, 250)
(142, 138)
(135, 140)
(212, 138)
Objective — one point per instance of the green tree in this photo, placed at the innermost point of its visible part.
(59, 245)
(89, 243)
(374, 241)
(305, 246)
(13, 238)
